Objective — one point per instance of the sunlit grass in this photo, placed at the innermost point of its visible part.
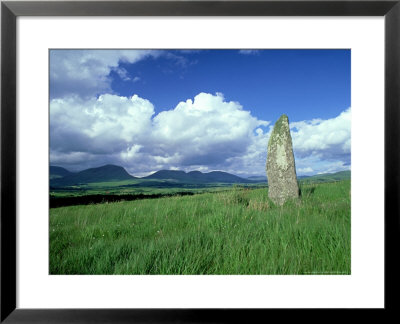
(230, 232)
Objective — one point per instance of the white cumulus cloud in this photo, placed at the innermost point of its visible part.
(104, 125)
(207, 130)
(204, 133)
(328, 139)
(86, 72)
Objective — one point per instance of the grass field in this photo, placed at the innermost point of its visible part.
(238, 231)
(148, 187)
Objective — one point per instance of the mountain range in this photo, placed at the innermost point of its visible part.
(197, 177)
(58, 172)
(60, 177)
(104, 173)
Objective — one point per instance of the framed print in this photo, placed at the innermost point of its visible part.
(193, 161)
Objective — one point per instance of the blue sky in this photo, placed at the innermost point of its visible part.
(304, 84)
(205, 110)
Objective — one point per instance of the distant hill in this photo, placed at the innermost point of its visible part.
(58, 172)
(104, 173)
(168, 175)
(302, 177)
(325, 177)
(197, 177)
(219, 176)
(258, 178)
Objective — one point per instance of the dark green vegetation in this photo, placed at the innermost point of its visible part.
(100, 199)
(235, 231)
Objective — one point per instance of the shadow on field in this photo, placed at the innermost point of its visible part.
(306, 192)
(98, 199)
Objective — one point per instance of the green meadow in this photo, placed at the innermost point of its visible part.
(133, 187)
(236, 230)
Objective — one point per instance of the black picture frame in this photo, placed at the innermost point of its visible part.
(10, 10)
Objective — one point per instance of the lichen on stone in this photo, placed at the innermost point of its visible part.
(280, 166)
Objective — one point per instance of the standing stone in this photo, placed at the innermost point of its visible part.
(281, 170)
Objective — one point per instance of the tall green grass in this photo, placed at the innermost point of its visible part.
(233, 232)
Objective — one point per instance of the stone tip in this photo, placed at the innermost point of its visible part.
(281, 121)
(283, 116)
